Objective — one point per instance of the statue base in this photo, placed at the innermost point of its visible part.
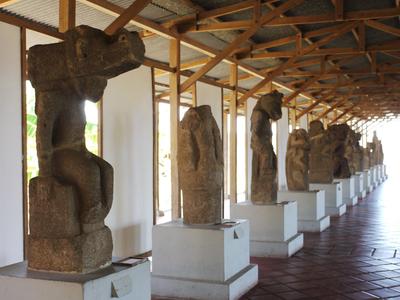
(310, 209)
(334, 205)
(273, 228)
(367, 180)
(374, 177)
(359, 185)
(84, 253)
(350, 198)
(202, 261)
(122, 281)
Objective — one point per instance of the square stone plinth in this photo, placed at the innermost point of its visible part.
(118, 281)
(273, 228)
(334, 205)
(202, 261)
(310, 209)
(348, 186)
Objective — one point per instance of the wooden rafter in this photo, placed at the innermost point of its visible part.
(345, 28)
(133, 10)
(67, 15)
(4, 3)
(383, 27)
(346, 111)
(238, 41)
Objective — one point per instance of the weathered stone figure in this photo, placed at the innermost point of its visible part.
(371, 151)
(321, 158)
(264, 184)
(74, 190)
(358, 153)
(298, 149)
(366, 158)
(378, 153)
(201, 164)
(338, 134)
(349, 148)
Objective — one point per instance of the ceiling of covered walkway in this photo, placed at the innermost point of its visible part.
(331, 58)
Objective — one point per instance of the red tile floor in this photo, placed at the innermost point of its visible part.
(356, 258)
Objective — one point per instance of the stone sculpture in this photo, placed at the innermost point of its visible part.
(378, 153)
(298, 149)
(321, 158)
(74, 190)
(349, 148)
(366, 158)
(358, 153)
(201, 165)
(371, 152)
(338, 135)
(264, 184)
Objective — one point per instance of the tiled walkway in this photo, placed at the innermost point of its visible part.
(356, 258)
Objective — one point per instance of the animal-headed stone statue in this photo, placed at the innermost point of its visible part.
(264, 184)
(338, 135)
(200, 164)
(321, 158)
(298, 148)
(74, 190)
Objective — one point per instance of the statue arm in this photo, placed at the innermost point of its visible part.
(46, 116)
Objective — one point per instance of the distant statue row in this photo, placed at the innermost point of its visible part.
(322, 155)
(318, 157)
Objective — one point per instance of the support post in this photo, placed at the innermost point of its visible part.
(233, 134)
(174, 100)
(67, 15)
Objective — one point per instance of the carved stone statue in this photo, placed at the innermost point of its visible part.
(349, 147)
(358, 153)
(321, 159)
(378, 153)
(366, 158)
(371, 151)
(338, 134)
(201, 165)
(298, 148)
(264, 184)
(73, 193)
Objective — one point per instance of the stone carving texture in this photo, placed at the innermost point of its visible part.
(201, 164)
(321, 158)
(378, 153)
(358, 153)
(349, 150)
(264, 165)
(366, 158)
(297, 155)
(338, 135)
(74, 190)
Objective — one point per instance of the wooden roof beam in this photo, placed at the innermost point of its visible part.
(128, 14)
(4, 3)
(289, 63)
(383, 27)
(314, 104)
(67, 15)
(346, 111)
(238, 41)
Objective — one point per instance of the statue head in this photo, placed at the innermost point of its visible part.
(358, 136)
(339, 132)
(84, 60)
(299, 138)
(272, 103)
(316, 127)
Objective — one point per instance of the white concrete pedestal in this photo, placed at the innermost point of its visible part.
(334, 205)
(348, 185)
(273, 228)
(310, 209)
(116, 282)
(367, 180)
(359, 185)
(374, 177)
(202, 261)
